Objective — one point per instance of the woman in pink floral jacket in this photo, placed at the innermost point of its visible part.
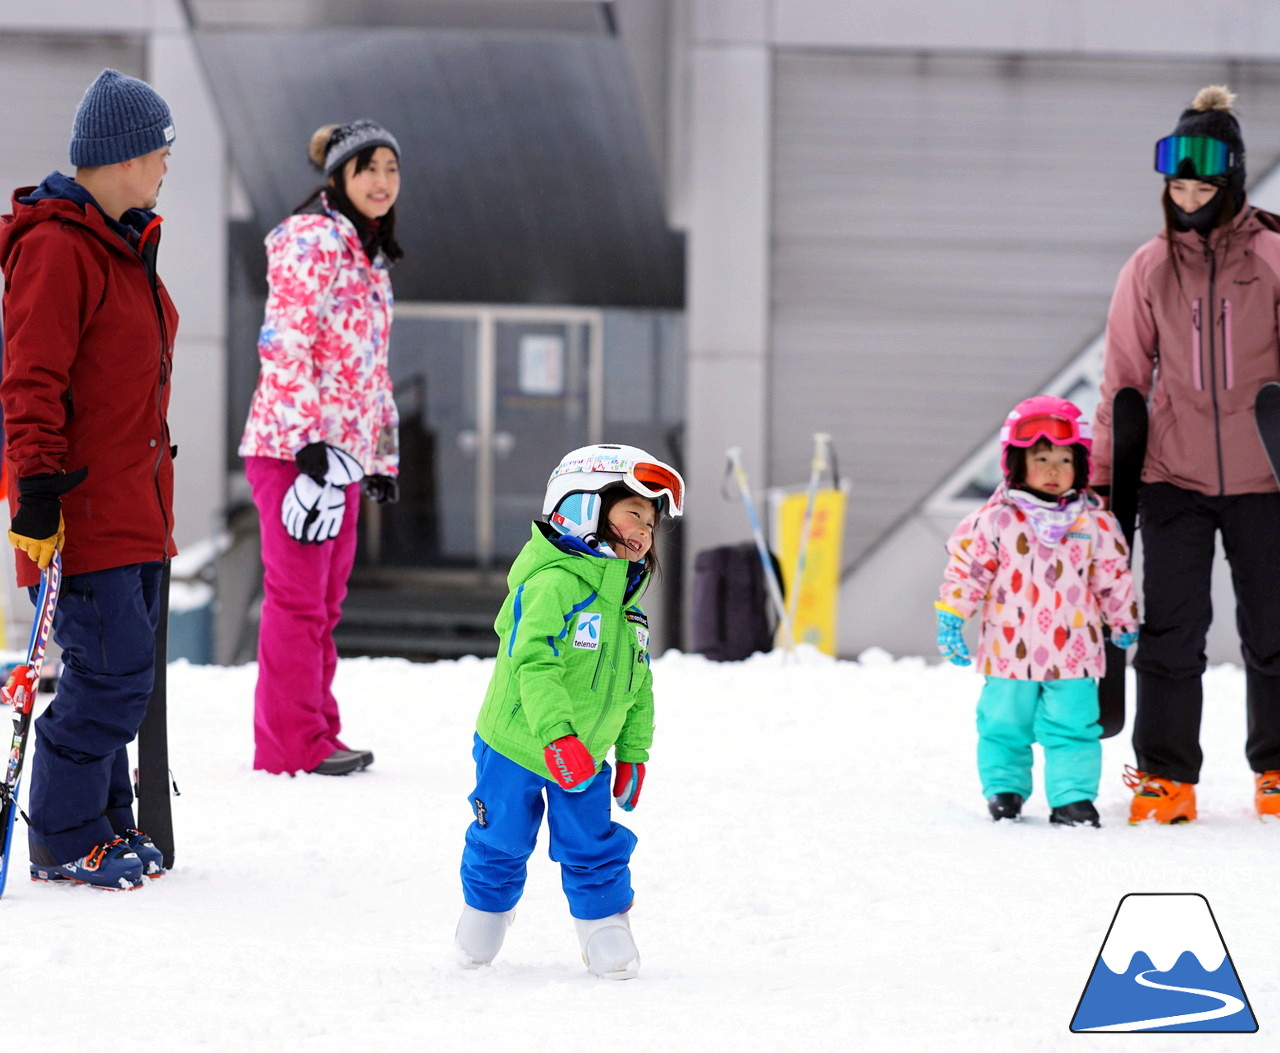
(323, 418)
(1045, 567)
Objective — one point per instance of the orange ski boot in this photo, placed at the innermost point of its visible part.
(1266, 798)
(1161, 799)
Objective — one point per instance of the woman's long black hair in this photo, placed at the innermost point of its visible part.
(376, 235)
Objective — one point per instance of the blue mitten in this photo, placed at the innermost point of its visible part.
(950, 641)
(1124, 640)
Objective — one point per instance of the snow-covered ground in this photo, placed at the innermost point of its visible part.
(816, 871)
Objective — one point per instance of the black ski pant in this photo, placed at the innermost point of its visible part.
(1178, 532)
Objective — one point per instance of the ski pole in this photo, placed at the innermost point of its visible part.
(770, 577)
(817, 466)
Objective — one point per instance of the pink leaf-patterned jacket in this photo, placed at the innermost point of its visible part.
(323, 347)
(1042, 606)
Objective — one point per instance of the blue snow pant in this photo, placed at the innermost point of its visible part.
(1061, 715)
(80, 789)
(592, 850)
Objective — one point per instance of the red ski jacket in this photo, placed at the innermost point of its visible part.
(88, 349)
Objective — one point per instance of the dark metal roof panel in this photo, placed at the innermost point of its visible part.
(526, 177)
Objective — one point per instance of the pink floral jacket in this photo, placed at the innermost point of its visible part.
(323, 346)
(1042, 606)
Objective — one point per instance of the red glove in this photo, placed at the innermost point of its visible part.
(570, 762)
(627, 783)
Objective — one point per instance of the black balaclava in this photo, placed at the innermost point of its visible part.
(1203, 219)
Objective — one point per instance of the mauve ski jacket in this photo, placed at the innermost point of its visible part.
(1200, 350)
(1042, 606)
(88, 350)
(573, 659)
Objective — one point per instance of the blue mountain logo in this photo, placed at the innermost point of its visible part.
(1163, 967)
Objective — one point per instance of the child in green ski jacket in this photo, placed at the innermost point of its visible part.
(571, 682)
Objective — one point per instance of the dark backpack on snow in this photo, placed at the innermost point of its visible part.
(732, 617)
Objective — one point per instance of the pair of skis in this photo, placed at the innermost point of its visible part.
(151, 778)
(20, 692)
(1129, 446)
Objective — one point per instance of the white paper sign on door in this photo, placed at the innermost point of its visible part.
(541, 365)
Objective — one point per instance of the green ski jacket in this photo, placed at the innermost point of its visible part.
(573, 659)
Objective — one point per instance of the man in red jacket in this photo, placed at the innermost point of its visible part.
(88, 345)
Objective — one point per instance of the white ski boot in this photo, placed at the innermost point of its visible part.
(480, 934)
(607, 947)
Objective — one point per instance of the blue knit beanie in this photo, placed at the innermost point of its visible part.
(118, 119)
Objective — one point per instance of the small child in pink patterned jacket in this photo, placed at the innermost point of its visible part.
(1045, 567)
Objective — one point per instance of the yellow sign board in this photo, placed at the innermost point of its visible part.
(815, 607)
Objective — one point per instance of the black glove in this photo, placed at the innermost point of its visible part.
(313, 460)
(323, 464)
(383, 489)
(40, 502)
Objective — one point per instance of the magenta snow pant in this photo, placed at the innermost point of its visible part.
(295, 717)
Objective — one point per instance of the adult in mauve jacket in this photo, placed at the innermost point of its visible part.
(322, 427)
(88, 346)
(1193, 326)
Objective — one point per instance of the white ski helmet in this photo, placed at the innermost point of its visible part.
(572, 501)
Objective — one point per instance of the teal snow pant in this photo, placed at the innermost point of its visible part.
(1061, 715)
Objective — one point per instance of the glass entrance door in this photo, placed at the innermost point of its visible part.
(490, 399)
(545, 404)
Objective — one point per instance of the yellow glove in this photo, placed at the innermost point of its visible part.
(40, 550)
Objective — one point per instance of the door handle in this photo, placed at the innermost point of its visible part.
(503, 443)
(468, 442)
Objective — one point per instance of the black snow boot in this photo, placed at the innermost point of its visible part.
(1004, 806)
(1077, 813)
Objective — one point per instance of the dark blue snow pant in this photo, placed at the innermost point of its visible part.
(1178, 534)
(594, 852)
(80, 790)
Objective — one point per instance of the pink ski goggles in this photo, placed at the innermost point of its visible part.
(1061, 431)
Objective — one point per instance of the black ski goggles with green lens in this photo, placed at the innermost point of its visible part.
(1193, 157)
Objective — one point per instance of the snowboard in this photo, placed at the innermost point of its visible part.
(1266, 410)
(1128, 451)
(151, 777)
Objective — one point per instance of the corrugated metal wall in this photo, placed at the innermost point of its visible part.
(45, 76)
(947, 231)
